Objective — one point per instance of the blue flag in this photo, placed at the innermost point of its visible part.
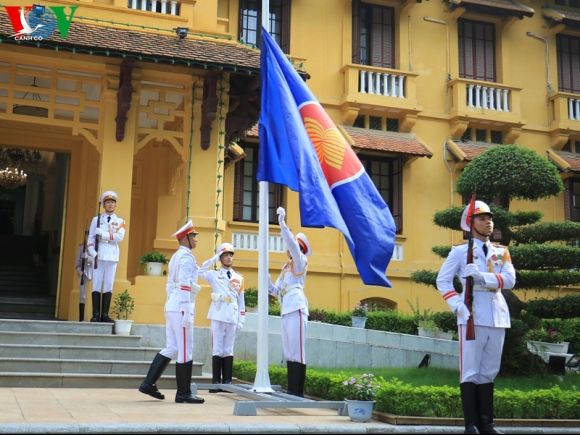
(301, 147)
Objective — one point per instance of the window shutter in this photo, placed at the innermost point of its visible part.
(238, 191)
(285, 43)
(382, 33)
(356, 31)
(397, 206)
(568, 63)
(476, 50)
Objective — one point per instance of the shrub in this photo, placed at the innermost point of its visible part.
(363, 387)
(153, 257)
(361, 310)
(123, 305)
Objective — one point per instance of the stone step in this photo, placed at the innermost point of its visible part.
(28, 325)
(65, 338)
(17, 305)
(84, 366)
(78, 380)
(78, 352)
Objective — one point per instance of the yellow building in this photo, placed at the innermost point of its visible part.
(154, 99)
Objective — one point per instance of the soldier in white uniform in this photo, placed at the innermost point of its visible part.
(479, 359)
(289, 287)
(110, 231)
(227, 312)
(182, 289)
(85, 273)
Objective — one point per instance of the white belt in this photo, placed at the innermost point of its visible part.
(478, 288)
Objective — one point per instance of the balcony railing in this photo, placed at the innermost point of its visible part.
(566, 111)
(496, 102)
(366, 85)
(160, 6)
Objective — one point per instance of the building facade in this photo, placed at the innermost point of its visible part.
(158, 100)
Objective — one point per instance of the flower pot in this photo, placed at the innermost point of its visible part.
(541, 346)
(360, 410)
(123, 327)
(154, 269)
(358, 322)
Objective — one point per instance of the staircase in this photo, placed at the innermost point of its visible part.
(49, 354)
(24, 292)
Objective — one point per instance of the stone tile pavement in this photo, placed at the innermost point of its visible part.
(84, 410)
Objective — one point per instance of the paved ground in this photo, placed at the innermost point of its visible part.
(82, 410)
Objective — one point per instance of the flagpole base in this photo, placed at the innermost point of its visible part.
(259, 389)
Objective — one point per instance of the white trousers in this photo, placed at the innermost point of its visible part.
(480, 359)
(104, 276)
(178, 339)
(294, 336)
(223, 335)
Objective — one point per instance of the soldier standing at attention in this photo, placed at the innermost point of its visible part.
(227, 312)
(110, 231)
(479, 359)
(182, 289)
(289, 287)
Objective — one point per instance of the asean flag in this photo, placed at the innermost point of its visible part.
(301, 147)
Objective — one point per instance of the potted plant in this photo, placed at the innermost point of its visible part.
(429, 328)
(153, 262)
(360, 393)
(546, 340)
(123, 306)
(359, 315)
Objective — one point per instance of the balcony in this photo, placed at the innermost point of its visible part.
(379, 89)
(494, 104)
(171, 7)
(566, 110)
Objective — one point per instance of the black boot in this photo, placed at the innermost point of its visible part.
(96, 296)
(105, 309)
(227, 370)
(290, 377)
(81, 312)
(300, 379)
(183, 378)
(156, 369)
(485, 402)
(470, 409)
(216, 371)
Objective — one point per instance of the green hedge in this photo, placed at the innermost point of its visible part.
(566, 307)
(399, 398)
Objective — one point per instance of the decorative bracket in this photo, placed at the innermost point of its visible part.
(124, 96)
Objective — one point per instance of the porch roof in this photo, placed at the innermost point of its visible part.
(149, 47)
(557, 16)
(467, 151)
(503, 7)
(565, 161)
(376, 140)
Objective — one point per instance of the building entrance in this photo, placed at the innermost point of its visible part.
(32, 195)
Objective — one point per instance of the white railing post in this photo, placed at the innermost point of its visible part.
(498, 99)
(402, 87)
(484, 97)
(378, 83)
(505, 101)
(492, 104)
(163, 6)
(133, 4)
(371, 81)
(478, 96)
(143, 5)
(393, 85)
(577, 110)
(470, 95)
(385, 84)
(363, 79)
(173, 7)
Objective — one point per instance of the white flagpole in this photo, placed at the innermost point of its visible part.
(262, 380)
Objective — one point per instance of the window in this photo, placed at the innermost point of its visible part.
(251, 22)
(472, 134)
(246, 189)
(476, 50)
(373, 35)
(568, 63)
(569, 3)
(572, 199)
(387, 175)
(376, 123)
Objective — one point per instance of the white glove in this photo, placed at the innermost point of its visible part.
(187, 313)
(216, 297)
(463, 313)
(92, 252)
(195, 289)
(472, 270)
(281, 215)
(240, 324)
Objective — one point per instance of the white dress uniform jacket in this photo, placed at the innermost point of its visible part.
(289, 286)
(112, 232)
(489, 305)
(181, 278)
(230, 306)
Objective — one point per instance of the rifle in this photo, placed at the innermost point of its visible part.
(83, 259)
(96, 236)
(470, 329)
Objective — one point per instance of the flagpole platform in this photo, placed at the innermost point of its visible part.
(277, 399)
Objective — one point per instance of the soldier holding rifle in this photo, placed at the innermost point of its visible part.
(491, 270)
(106, 231)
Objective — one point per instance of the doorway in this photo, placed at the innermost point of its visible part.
(32, 198)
